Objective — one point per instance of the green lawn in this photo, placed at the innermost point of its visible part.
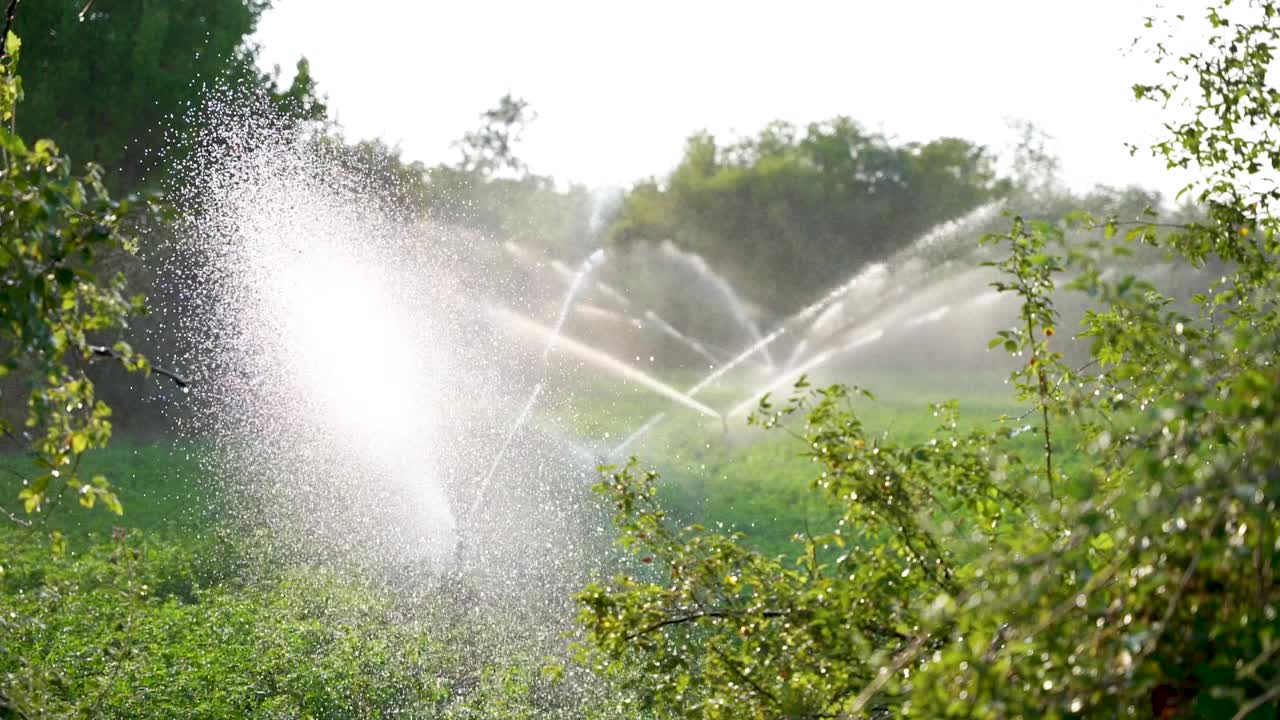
(758, 482)
(140, 622)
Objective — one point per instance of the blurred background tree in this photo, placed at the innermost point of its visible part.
(791, 210)
(114, 79)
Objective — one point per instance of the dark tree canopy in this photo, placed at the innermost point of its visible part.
(792, 210)
(110, 86)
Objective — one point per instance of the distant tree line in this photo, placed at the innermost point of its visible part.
(791, 211)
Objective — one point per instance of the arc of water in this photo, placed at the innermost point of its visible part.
(561, 269)
(599, 313)
(639, 433)
(667, 328)
(506, 445)
(953, 228)
(593, 260)
(608, 291)
(520, 253)
(724, 289)
(527, 257)
(605, 289)
(589, 264)
(601, 359)
(796, 353)
(816, 361)
(929, 317)
(799, 317)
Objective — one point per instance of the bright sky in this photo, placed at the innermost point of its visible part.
(617, 87)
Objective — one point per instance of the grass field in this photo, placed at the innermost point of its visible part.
(168, 603)
(757, 482)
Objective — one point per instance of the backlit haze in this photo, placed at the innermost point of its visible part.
(618, 87)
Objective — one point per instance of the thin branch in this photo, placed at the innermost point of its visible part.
(85, 11)
(910, 653)
(179, 380)
(9, 14)
(813, 549)
(1251, 670)
(15, 518)
(1183, 583)
(690, 617)
(1258, 702)
(1061, 379)
(743, 676)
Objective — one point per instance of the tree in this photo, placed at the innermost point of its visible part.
(969, 575)
(114, 81)
(790, 210)
(57, 309)
(490, 190)
(490, 150)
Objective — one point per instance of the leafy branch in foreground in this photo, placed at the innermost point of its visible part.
(56, 307)
(968, 576)
(732, 633)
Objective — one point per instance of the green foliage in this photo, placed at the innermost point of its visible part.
(57, 310)
(968, 577)
(135, 627)
(190, 618)
(528, 210)
(735, 633)
(161, 488)
(110, 85)
(489, 191)
(788, 211)
(491, 148)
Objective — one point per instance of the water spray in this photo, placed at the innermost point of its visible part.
(600, 359)
(816, 361)
(588, 265)
(669, 329)
(725, 290)
(871, 274)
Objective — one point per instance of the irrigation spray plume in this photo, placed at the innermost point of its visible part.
(527, 258)
(797, 352)
(824, 310)
(721, 287)
(929, 317)
(501, 455)
(572, 278)
(689, 342)
(636, 435)
(332, 333)
(812, 363)
(591, 262)
(599, 359)
(597, 312)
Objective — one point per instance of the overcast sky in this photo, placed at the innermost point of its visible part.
(617, 87)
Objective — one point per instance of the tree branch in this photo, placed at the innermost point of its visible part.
(15, 518)
(724, 614)
(9, 14)
(179, 380)
(743, 676)
(1258, 702)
